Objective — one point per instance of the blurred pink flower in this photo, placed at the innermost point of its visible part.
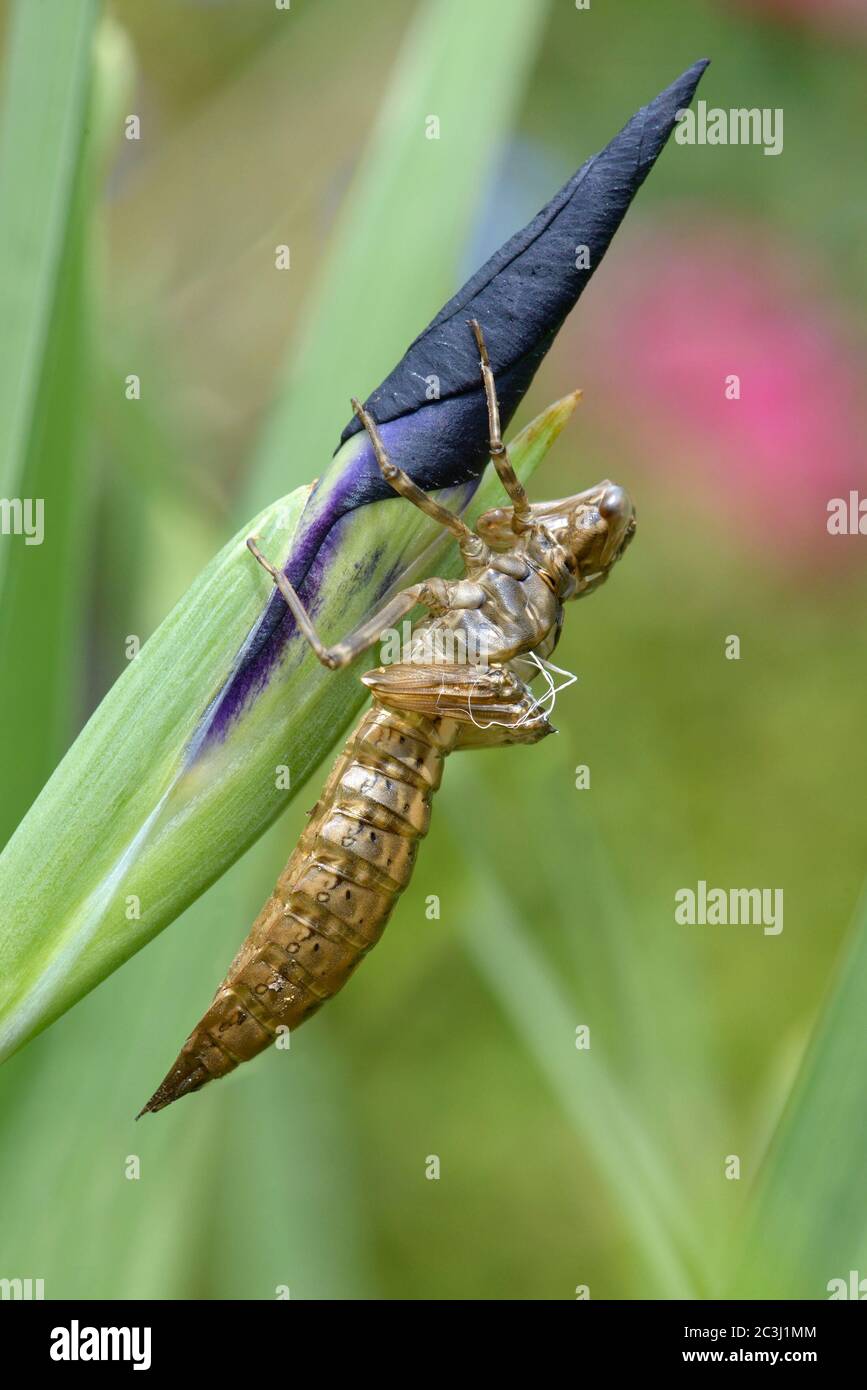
(688, 310)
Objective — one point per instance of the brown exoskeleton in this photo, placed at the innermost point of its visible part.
(355, 857)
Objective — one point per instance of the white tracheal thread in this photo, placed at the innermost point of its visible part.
(541, 705)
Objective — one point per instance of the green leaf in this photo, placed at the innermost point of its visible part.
(131, 828)
(394, 254)
(41, 130)
(45, 179)
(808, 1223)
(597, 1106)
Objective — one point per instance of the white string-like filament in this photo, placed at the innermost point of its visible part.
(544, 704)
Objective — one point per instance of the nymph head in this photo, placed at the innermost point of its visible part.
(593, 532)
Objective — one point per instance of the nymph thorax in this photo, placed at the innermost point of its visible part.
(511, 609)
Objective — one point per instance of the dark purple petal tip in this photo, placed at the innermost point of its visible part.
(521, 297)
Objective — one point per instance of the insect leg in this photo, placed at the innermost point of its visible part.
(522, 515)
(472, 547)
(434, 594)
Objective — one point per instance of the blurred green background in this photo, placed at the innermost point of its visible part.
(560, 1168)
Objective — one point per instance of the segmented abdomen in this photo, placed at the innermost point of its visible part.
(333, 899)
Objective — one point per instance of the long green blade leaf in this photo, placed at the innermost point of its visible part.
(45, 178)
(41, 127)
(137, 821)
(809, 1219)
